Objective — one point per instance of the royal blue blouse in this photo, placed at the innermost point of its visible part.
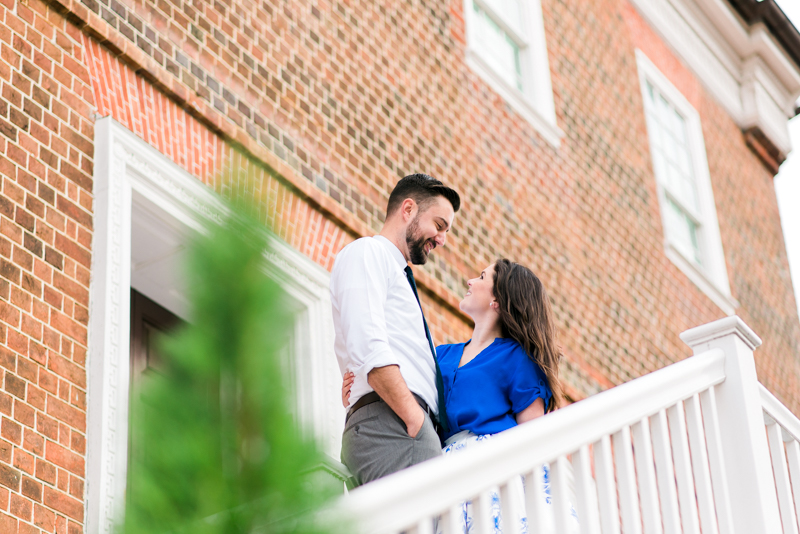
(483, 395)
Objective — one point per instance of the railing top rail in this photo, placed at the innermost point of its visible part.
(417, 491)
(780, 413)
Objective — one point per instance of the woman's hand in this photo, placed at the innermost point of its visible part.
(347, 384)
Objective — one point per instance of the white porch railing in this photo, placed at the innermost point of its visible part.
(682, 449)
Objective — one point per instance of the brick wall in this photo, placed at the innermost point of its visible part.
(46, 152)
(324, 105)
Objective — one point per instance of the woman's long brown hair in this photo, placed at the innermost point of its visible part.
(527, 317)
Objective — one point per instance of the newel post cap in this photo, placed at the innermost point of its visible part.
(733, 325)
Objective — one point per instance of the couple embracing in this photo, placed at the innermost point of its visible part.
(406, 398)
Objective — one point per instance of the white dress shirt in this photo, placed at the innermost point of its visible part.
(377, 319)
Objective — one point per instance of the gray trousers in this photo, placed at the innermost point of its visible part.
(375, 443)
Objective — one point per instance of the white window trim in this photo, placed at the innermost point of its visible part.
(535, 104)
(126, 169)
(712, 276)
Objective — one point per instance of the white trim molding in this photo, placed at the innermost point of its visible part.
(742, 66)
(710, 274)
(131, 175)
(534, 102)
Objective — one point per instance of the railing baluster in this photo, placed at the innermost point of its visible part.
(450, 521)
(586, 499)
(716, 458)
(781, 473)
(665, 473)
(425, 526)
(606, 487)
(626, 480)
(702, 475)
(560, 489)
(482, 513)
(793, 455)
(683, 469)
(536, 508)
(511, 497)
(646, 474)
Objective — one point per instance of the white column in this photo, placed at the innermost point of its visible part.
(754, 503)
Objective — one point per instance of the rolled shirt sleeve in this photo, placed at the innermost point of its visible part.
(527, 384)
(362, 292)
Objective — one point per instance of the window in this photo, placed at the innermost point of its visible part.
(691, 231)
(506, 47)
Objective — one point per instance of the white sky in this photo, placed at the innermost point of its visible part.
(787, 182)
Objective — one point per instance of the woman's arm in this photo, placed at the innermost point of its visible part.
(536, 409)
(347, 384)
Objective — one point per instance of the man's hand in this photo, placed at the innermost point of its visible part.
(389, 384)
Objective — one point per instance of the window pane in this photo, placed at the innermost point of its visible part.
(681, 231)
(497, 48)
(509, 11)
(671, 157)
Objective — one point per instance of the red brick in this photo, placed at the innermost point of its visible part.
(7, 523)
(25, 414)
(32, 489)
(24, 461)
(64, 412)
(66, 505)
(11, 431)
(45, 471)
(44, 518)
(21, 507)
(65, 458)
(10, 477)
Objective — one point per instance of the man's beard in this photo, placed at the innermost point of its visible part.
(416, 244)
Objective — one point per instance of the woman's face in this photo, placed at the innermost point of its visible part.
(479, 295)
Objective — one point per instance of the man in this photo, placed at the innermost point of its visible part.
(382, 336)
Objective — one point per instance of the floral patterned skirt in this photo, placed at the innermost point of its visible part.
(517, 491)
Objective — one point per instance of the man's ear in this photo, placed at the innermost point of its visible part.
(408, 209)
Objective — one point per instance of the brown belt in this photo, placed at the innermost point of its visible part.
(373, 397)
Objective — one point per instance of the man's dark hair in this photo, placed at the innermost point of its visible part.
(423, 189)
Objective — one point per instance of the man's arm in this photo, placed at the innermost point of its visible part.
(389, 384)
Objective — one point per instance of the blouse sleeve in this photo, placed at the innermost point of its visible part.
(528, 383)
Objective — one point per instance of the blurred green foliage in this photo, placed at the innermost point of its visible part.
(220, 449)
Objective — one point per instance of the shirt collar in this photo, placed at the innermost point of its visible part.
(393, 250)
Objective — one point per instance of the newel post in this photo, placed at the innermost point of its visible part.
(754, 502)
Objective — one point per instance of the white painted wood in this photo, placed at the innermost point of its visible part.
(560, 490)
(780, 471)
(683, 469)
(665, 472)
(700, 468)
(606, 486)
(425, 526)
(626, 482)
(710, 38)
(780, 413)
(133, 179)
(709, 272)
(482, 513)
(646, 477)
(754, 502)
(585, 495)
(511, 497)
(535, 102)
(536, 509)
(793, 457)
(716, 460)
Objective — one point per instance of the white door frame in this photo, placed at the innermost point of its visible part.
(126, 169)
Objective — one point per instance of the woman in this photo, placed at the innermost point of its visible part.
(507, 373)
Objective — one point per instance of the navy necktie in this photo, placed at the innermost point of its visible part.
(439, 381)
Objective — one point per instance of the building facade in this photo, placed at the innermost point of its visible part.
(623, 149)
